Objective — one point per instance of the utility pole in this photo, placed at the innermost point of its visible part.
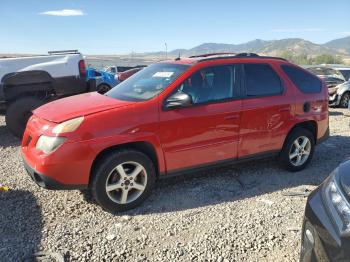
(166, 51)
(132, 57)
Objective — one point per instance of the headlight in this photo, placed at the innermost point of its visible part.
(48, 144)
(337, 203)
(68, 126)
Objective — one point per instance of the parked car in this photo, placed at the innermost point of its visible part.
(29, 82)
(340, 95)
(338, 89)
(345, 71)
(326, 225)
(331, 76)
(104, 81)
(126, 74)
(176, 117)
(119, 69)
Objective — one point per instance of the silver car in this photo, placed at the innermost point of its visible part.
(340, 94)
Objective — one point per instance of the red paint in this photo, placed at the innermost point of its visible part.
(182, 138)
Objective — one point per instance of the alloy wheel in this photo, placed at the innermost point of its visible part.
(346, 100)
(126, 182)
(300, 151)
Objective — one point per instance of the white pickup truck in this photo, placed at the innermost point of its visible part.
(29, 82)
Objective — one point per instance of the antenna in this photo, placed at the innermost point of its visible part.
(166, 50)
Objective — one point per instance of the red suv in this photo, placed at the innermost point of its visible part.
(174, 117)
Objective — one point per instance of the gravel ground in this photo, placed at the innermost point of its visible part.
(240, 213)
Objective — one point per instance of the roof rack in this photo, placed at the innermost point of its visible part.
(240, 55)
(211, 54)
(247, 55)
(63, 52)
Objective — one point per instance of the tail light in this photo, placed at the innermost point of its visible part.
(82, 68)
(120, 77)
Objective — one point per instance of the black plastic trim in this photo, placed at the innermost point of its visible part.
(221, 163)
(239, 56)
(324, 137)
(20, 83)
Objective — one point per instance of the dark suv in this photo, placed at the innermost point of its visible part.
(174, 117)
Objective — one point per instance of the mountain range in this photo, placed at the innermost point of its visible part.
(297, 46)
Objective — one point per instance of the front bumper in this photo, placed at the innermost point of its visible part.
(68, 167)
(326, 244)
(334, 99)
(47, 182)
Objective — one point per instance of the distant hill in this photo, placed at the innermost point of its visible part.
(270, 47)
(341, 44)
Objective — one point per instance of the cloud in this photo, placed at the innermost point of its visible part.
(344, 33)
(296, 30)
(64, 12)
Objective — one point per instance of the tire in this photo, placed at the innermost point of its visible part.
(103, 88)
(18, 113)
(345, 99)
(287, 157)
(106, 175)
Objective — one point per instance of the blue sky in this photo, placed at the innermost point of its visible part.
(115, 27)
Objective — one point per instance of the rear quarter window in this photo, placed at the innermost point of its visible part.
(304, 81)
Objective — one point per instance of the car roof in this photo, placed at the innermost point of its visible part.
(218, 56)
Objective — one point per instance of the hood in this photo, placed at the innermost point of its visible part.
(341, 88)
(79, 105)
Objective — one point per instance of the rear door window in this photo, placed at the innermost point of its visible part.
(261, 80)
(304, 81)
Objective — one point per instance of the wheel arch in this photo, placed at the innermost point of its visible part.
(145, 147)
(341, 96)
(103, 84)
(310, 125)
(27, 82)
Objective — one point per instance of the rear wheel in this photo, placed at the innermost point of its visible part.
(18, 113)
(103, 88)
(297, 150)
(345, 99)
(123, 180)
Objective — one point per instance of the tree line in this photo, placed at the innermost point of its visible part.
(305, 59)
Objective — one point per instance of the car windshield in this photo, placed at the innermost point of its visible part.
(147, 83)
(345, 73)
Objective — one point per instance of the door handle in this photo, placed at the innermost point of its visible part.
(232, 117)
(284, 109)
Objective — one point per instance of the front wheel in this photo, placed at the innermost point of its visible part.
(103, 88)
(345, 99)
(123, 180)
(297, 150)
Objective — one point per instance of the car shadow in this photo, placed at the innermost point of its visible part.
(335, 113)
(20, 225)
(240, 181)
(7, 139)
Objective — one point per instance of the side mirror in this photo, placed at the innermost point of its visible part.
(177, 100)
